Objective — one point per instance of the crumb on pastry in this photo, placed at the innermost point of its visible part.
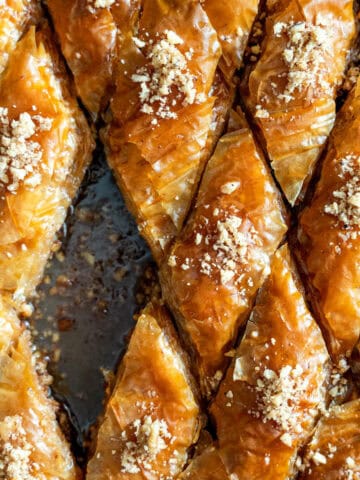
(95, 4)
(167, 81)
(15, 451)
(304, 57)
(345, 202)
(20, 157)
(277, 397)
(231, 247)
(146, 439)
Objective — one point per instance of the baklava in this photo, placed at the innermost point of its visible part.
(170, 85)
(276, 387)
(15, 17)
(32, 447)
(45, 147)
(291, 90)
(328, 235)
(152, 417)
(334, 450)
(222, 255)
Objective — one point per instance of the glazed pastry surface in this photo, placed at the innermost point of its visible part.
(207, 466)
(167, 110)
(152, 417)
(45, 143)
(292, 88)
(163, 129)
(275, 389)
(222, 256)
(328, 234)
(232, 21)
(334, 450)
(32, 447)
(88, 35)
(15, 18)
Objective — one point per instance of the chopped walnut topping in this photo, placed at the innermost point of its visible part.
(350, 462)
(172, 261)
(349, 474)
(239, 372)
(229, 188)
(321, 457)
(227, 243)
(304, 57)
(15, 451)
(20, 157)
(167, 79)
(286, 439)
(232, 248)
(346, 203)
(278, 396)
(94, 4)
(338, 383)
(318, 458)
(149, 439)
(351, 77)
(261, 112)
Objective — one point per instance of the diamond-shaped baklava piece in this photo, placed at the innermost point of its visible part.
(291, 90)
(45, 146)
(32, 446)
(275, 389)
(329, 235)
(152, 417)
(222, 256)
(164, 114)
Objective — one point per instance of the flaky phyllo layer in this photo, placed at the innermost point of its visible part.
(275, 389)
(291, 90)
(32, 447)
(45, 146)
(159, 77)
(222, 256)
(152, 417)
(328, 234)
(167, 68)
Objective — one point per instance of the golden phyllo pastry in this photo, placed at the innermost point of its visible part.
(334, 451)
(88, 31)
(291, 90)
(45, 146)
(206, 466)
(163, 115)
(169, 101)
(329, 234)
(32, 446)
(152, 416)
(275, 388)
(15, 17)
(92, 34)
(222, 256)
(233, 21)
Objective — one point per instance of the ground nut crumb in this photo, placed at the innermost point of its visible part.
(304, 56)
(20, 157)
(95, 4)
(15, 451)
(167, 81)
(147, 439)
(345, 202)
